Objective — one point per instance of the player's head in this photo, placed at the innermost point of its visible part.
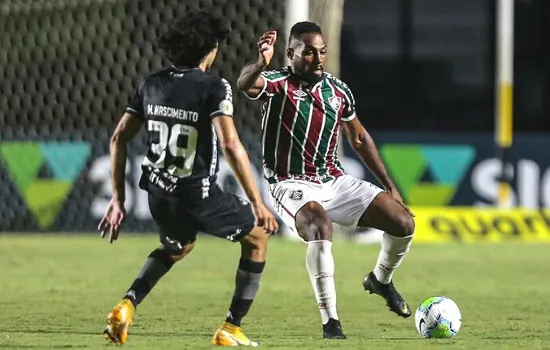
(193, 39)
(307, 50)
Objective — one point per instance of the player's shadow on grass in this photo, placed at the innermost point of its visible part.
(396, 338)
(443, 340)
(138, 333)
(47, 331)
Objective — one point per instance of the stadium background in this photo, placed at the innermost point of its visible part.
(423, 73)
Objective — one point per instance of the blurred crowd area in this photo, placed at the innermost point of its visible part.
(68, 66)
(430, 64)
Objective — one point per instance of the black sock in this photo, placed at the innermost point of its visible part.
(247, 284)
(157, 265)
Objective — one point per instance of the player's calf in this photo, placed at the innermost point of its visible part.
(247, 285)
(395, 245)
(159, 262)
(249, 274)
(315, 228)
(380, 280)
(388, 215)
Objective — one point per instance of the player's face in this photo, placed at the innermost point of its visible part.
(308, 56)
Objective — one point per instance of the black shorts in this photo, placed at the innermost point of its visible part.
(222, 215)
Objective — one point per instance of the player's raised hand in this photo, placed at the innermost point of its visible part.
(266, 47)
(112, 220)
(265, 218)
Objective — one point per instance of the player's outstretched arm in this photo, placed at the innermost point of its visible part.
(125, 132)
(249, 80)
(364, 146)
(115, 214)
(237, 157)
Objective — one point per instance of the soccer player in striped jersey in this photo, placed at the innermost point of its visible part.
(304, 109)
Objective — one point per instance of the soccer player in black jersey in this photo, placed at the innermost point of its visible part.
(187, 112)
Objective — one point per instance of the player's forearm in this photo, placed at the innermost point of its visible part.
(240, 164)
(249, 74)
(368, 152)
(119, 151)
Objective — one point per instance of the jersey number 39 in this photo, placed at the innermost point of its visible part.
(180, 142)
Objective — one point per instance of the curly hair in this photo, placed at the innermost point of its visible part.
(190, 38)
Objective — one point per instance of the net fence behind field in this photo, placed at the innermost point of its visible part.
(67, 69)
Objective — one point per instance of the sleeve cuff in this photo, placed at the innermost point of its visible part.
(349, 118)
(224, 108)
(134, 112)
(261, 93)
(218, 113)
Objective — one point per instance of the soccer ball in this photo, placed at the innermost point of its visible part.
(438, 317)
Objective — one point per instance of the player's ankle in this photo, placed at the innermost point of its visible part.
(382, 276)
(231, 324)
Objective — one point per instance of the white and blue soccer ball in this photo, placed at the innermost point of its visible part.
(438, 317)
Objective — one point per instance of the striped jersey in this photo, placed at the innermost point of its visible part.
(301, 126)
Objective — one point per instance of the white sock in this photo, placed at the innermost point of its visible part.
(320, 265)
(393, 251)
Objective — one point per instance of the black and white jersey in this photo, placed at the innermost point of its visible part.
(177, 106)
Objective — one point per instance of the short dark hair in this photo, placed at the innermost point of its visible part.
(304, 27)
(191, 37)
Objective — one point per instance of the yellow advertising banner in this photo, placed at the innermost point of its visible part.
(475, 224)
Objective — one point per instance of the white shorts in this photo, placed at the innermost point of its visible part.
(344, 199)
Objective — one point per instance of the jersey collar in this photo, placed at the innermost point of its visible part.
(182, 70)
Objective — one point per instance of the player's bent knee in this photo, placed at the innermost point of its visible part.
(313, 223)
(324, 228)
(313, 209)
(258, 236)
(180, 255)
(315, 231)
(406, 225)
(254, 245)
(256, 239)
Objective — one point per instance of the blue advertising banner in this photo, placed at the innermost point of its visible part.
(432, 169)
(65, 186)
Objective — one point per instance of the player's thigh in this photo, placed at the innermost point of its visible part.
(386, 214)
(351, 197)
(297, 201)
(223, 215)
(177, 229)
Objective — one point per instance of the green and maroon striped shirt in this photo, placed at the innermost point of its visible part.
(301, 126)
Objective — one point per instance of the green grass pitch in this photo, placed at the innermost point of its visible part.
(57, 289)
